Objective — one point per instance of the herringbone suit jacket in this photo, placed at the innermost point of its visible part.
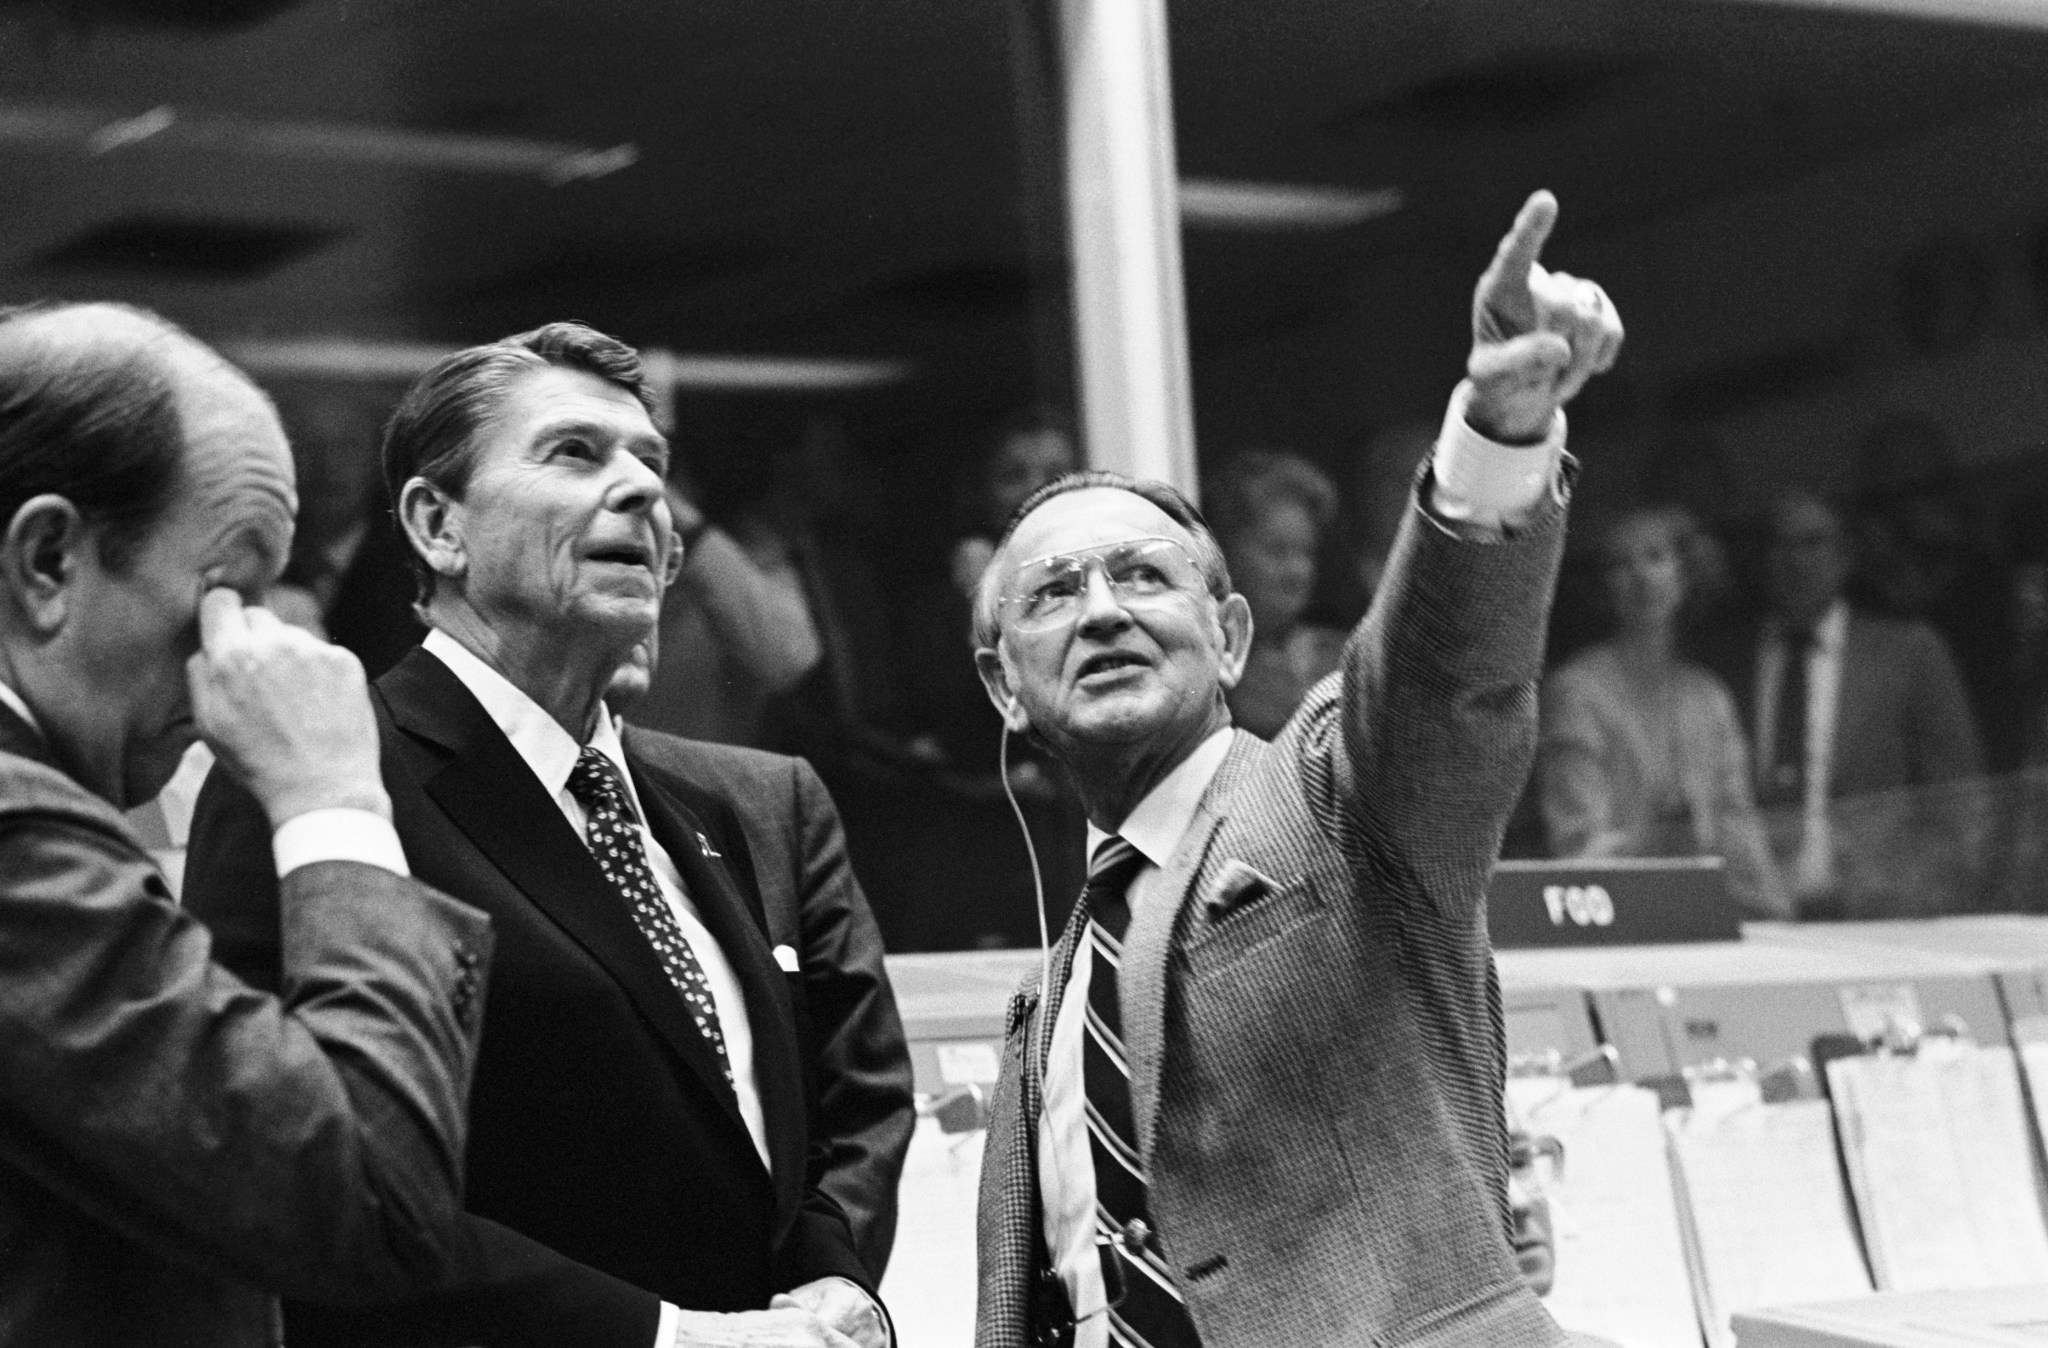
(1314, 1029)
(177, 1148)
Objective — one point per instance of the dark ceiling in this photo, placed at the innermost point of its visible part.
(822, 178)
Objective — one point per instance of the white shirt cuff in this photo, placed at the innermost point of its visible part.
(1485, 483)
(666, 1327)
(337, 835)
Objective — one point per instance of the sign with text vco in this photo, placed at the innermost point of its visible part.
(1613, 901)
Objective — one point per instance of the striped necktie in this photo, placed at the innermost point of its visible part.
(614, 840)
(1146, 1308)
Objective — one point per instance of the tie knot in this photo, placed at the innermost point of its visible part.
(1115, 865)
(595, 781)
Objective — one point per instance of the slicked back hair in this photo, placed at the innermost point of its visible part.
(89, 412)
(1176, 507)
(434, 431)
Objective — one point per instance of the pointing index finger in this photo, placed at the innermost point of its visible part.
(1524, 241)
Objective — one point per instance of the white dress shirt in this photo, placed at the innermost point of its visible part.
(342, 834)
(1479, 484)
(551, 752)
(1066, 1167)
(1813, 868)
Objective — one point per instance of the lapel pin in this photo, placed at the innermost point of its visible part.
(785, 959)
(704, 846)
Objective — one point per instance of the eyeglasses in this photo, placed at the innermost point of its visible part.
(1536, 1162)
(1140, 572)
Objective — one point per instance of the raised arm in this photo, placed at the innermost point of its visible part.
(1439, 692)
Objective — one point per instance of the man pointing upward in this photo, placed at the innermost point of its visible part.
(1260, 1102)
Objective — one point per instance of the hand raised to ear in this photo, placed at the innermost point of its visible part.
(1537, 335)
(286, 712)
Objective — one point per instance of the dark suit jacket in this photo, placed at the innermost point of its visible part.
(1906, 818)
(1902, 717)
(175, 1147)
(608, 1166)
(1314, 1030)
(773, 820)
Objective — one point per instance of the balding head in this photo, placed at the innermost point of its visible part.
(97, 405)
(137, 471)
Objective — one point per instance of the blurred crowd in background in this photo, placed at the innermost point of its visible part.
(1847, 699)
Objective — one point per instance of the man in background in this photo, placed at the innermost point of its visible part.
(175, 1147)
(1861, 734)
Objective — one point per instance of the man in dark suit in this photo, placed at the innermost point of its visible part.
(789, 846)
(175, 1147)
(1862, 733)
(1257, 1098)
(643, 1159)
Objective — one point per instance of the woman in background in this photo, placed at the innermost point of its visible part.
(1641, 752)
(1269, 510)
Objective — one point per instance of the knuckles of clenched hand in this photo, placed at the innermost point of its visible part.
(287, 713)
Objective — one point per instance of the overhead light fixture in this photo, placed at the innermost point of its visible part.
(394, 361)
(1217, 203)
(98, 132)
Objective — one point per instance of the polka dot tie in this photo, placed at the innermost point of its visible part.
(614, 840)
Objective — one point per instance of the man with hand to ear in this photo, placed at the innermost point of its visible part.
(1262, 1100)
(177, 1149)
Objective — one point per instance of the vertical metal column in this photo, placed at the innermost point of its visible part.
(1123, 214)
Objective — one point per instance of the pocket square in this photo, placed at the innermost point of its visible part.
(1237, 884)
(785, 959)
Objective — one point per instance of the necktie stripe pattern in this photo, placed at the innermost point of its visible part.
(1147, 1311)
(613, 837)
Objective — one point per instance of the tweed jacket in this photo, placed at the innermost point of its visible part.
(1314, 1028)
(175, 1146)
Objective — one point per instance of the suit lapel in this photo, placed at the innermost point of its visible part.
(1855, 669)
(19, 738)
(1141, 981)
(487, 790)
(736, 923)
(1039, 1048)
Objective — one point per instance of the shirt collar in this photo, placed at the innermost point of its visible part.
(1829, 631)
(1155, 826)
(12, 701)
(537, 737)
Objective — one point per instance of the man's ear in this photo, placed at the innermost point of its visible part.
(1234, 617)
(430, 519)
(39, 559)
(1002, 689)
(673, 567)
